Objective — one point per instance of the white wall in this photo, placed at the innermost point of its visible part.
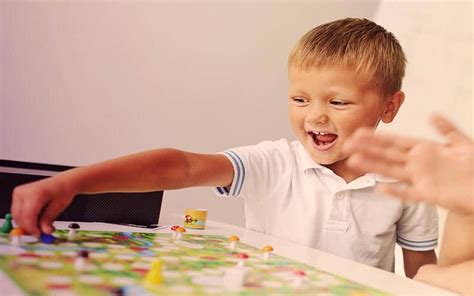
(438, 41)
(87, 81)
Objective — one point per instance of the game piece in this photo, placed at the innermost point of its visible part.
(47, 238)
(7, 226)
(175, 233)
(234, 278)
(73, 227)
(118, 291)
(179, 233)
(300, 276)
(81, 260)
(18, 231)
(127, 234)
(266, 252)
(15, 236)
(154, 277)
(242, 257)
(233, 241)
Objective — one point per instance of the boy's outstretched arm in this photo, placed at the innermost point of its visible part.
(36, 205)
(413, 260)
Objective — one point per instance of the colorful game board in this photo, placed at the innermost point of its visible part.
(118, 263)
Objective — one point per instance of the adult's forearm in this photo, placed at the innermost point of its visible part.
(458, 239)
(457, 278)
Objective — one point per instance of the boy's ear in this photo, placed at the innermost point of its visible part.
(392, 105)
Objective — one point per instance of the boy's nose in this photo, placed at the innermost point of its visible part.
(317, 117)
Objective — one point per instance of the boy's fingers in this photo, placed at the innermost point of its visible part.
(16, 210)
(29, 213)
(448, 129)
(49, 214)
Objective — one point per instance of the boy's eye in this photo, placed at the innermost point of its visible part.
(339, 103)
(300, 100)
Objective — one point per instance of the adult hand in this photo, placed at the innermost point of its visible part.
(434, 172)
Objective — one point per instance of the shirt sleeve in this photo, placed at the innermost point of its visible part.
(257, 168)
(417, 229)
(239, 175)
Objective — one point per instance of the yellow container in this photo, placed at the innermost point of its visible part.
(195, 218)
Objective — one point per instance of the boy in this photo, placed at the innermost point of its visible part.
(342, 75)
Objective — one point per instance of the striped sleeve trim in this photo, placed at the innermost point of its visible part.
(239, 175)
(417, 245)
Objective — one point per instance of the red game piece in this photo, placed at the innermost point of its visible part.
(242, 257)
(299, 278)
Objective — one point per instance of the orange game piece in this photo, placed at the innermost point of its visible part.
(17, 231)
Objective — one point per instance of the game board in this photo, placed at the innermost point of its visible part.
(193, 265)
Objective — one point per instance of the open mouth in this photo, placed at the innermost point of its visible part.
(323, 140)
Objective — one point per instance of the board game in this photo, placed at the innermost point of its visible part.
(118, 262)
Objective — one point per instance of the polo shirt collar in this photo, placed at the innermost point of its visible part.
(307, 163)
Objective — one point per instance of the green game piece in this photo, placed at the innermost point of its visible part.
(7, 226)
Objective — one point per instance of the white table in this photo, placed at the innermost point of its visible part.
(372, 277)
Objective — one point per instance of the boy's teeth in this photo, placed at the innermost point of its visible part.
(320, 133)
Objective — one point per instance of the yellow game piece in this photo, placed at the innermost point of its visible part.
(266, 252)
(233, 241)
(154, 276)
(179, 232)
(267, 249)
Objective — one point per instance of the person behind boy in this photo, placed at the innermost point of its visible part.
(438, 173)
(343, 75)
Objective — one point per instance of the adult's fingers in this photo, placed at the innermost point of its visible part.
(364, 137)
(364, 140)
(447, 129)
(390, 155)
(407, 193)
(368, 163)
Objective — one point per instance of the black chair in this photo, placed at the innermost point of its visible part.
(140, 209)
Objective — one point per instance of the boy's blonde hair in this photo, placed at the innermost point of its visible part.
(357, 44)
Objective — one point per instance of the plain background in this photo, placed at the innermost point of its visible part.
(87, 81)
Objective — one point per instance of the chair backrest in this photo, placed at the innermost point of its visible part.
(136, 208)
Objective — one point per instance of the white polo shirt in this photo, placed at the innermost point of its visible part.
(288, 195)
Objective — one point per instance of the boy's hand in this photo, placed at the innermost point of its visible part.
(36, 205)
(437, 173)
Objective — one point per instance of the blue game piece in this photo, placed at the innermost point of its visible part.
(47, 238)
(127, 234)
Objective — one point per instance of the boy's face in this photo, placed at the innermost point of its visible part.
(327, 105)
